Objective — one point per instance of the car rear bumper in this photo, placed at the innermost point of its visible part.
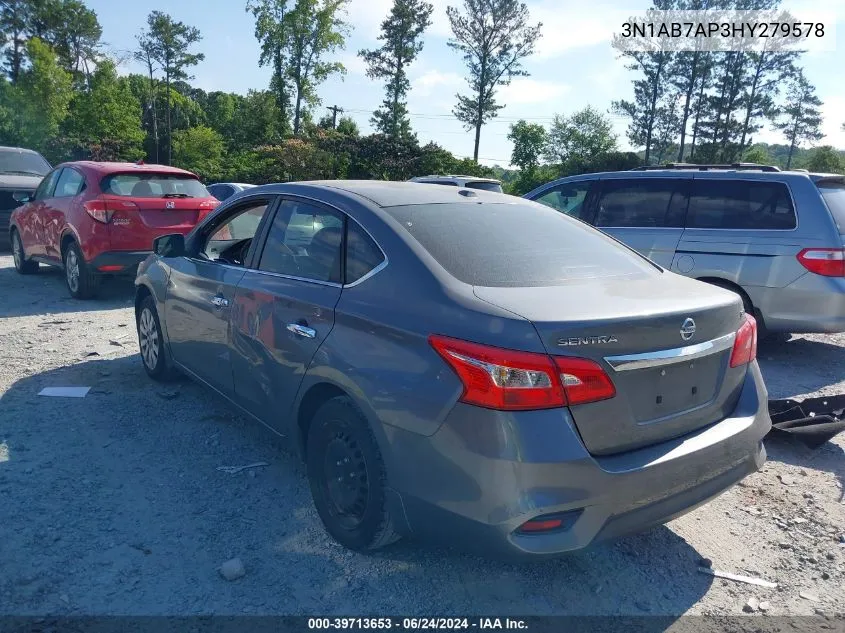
(118, 262)
(812, 303)
(479, 478)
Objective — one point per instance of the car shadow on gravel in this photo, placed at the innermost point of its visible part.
(46, 293)
(116, 504)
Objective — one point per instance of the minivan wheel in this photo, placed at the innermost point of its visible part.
(151, 342)
(347, 477)
(22, 264)
(81, 282)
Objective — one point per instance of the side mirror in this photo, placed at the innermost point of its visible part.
(172, 245)
(22, 196)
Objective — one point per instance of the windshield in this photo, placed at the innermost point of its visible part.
(521, 244)
(152, 185)
(834, 196)
(486, 186)
(25, 163)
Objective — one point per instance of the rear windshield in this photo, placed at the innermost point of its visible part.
(23, 163)
(520, 244)
(486, 186)
(153, 185)
(834, 196)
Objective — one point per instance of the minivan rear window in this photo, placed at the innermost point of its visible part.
(152, 185)
(834, 197)
(740, 204)
(523, 244)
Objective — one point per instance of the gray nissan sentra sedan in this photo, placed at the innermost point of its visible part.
(458, 364)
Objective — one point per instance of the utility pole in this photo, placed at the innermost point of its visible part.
(335, 109)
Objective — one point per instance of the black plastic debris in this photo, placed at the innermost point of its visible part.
(812, 421)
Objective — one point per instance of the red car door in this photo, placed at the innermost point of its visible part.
(32, 230)
(58, 209)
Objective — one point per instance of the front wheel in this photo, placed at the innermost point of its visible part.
(23, 265)
(347, 477)
(81, 281)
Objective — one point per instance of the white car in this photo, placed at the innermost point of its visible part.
(470, 182)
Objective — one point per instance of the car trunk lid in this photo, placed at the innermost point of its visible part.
(665, 342)
(135, 222)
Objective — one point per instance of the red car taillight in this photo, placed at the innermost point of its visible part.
(745, 344)
(829, 262)
(102, 210)
(510, 380)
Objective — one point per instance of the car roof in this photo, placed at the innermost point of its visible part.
(105, 168)
(385, 193)
(454, 177)
(20, 150)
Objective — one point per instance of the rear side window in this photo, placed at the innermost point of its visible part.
(486, 186)
(362, 253)
(151, 185)
(517, 244)
(834, 197)
(740, 204)
(69, 184)
(641, 203)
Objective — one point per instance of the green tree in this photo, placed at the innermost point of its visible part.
(401, 34)
(493, 37)
(38, 103)
(146, 54)
(76, 36)
(801, 115)
(529, 143)
(170, 43)
(200, 150)
(255, 121)
(107, 112)
(758, 154)
(314, 29)
(826, 160)
(347, 126)
(15, 18)
(271, 30)
(580, 138)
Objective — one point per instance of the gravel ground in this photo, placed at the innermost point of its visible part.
(113, 504)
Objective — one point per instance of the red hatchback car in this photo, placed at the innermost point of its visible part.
(94, 219)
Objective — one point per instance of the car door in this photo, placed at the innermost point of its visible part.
(201, 292)
(69, 185)
(284, 307)
(33, 232)
(647, 214)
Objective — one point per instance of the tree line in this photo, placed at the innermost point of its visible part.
(60, 93)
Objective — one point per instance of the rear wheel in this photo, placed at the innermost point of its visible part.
(22, 264)
(347, 477)
(81, 282)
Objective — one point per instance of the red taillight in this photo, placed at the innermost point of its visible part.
(829, 262)
(541, 525)
(511, 380)
(207, 205)
(583, 380)
(103, 209)
(745, 344)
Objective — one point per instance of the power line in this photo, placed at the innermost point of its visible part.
(451, 117)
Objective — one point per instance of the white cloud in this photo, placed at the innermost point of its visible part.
(354, 65)
(527, 90)
(432, 81)
(366, 17)
(833, 113)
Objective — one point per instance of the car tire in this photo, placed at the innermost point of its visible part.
(347, 477)
(81, 282)
(22, 264)
(154, 355)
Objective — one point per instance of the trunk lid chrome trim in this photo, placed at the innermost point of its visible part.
(644, 360)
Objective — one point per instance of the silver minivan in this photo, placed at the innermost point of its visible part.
(777, 238)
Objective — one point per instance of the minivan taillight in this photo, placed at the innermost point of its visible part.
(745, 344)
(829, 262)
(511, 380)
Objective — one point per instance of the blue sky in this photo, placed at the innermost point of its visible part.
(574, 65)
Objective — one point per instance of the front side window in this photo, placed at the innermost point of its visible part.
(230, 242)
(46, 187)
(740, 204)
(639, 203)
(569, 199)
(69, 184)
(304, 241)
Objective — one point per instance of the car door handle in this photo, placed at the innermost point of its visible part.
(220, 302)
(302, 330)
